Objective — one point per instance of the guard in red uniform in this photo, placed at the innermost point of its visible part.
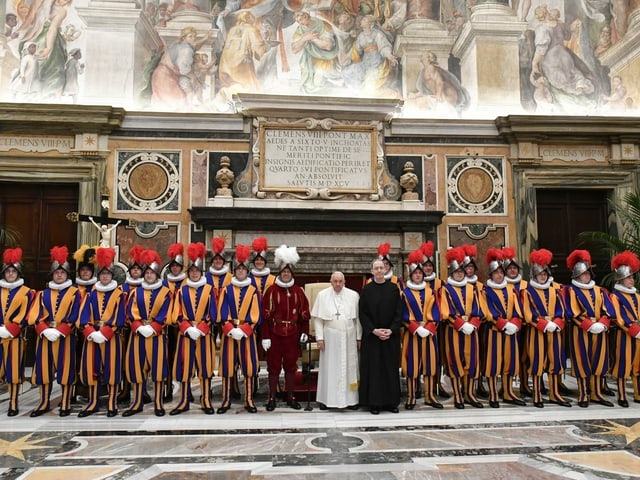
(16, 300)
(286, 324)
(101, 321)
(55, 315)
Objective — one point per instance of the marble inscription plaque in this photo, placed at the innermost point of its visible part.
(340, 160)
(36, 144)
(574, 154)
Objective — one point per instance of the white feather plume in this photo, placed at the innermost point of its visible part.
(286, 256)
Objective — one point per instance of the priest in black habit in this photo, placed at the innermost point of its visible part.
(380, 311)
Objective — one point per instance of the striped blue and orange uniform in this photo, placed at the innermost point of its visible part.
(589, 351)
(502, 350)
(262, 282)
(459, 305)
(57, 306)
(15, 302)
(101, 364)
(241, 307)
(420, 355)
(626, 362)
(218, 282)
(195, 306)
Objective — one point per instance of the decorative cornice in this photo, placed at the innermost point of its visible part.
(195, 122)
(29, 118)
(568, 130)
(296, 106)
(444, 127)
(316, 220)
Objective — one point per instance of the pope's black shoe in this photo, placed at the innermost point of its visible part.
(271, 404)
(293, 403)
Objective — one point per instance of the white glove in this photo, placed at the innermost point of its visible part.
(423, 332)
(237, 334)
(638, 336)
(596, 328)
(97, 337)
(51, 334)
(551, 327)
(467, 329)
(266, 344)
(146, 331)
(4, 333)
(303, 338)
(510, 329)
(193, 333)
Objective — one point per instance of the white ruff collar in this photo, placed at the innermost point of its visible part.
(11, 285)
(282, 284)
(134, 282)
(60, 286)
(86, 283)
(540, 286)
(223, 271)
(472, 280)
(586, 286)
(428, 278)
(197, 283)
(176, 278)
(497, 286)
(515, 280)
(388, 275)
(240, 283)
(151, 286)
(621, 288)
(416, 286)
(461, 283)
(112, 285)
(260, 273)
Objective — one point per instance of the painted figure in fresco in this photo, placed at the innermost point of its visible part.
(617, 99)
(41, 25)
(315, 39)
(25, 83)
(567, 75)
(374, 66)
(172, 81)
(163, 15)
(438, 88)
(604, 41)
(244, 45)
(72, 69)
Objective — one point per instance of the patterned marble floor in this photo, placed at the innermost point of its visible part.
(509, 442)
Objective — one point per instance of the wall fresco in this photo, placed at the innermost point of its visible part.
(194, 55)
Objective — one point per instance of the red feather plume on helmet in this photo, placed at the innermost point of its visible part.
(384, 249)
(470, 250)
(624, 258)
(176, 249)
(259, 244)
(578, 256)
(59, 254)
(196, 251)
(427, 249)
(509, 252)
(242, 253)
(217, 245)
(134, 253)
(105, 257)
(494, 254)
(12, 256)
(415, 257)
(455, 254)
(541, 257)
(148, 257)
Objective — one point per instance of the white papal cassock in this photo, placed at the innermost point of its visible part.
(335, 317)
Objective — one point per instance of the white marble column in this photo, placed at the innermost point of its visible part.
(488, 51)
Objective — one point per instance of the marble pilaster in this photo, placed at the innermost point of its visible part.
(486, 47)
(131, 40)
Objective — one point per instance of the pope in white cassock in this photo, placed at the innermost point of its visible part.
(338, 333)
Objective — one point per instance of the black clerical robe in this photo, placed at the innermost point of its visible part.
(380, 307)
